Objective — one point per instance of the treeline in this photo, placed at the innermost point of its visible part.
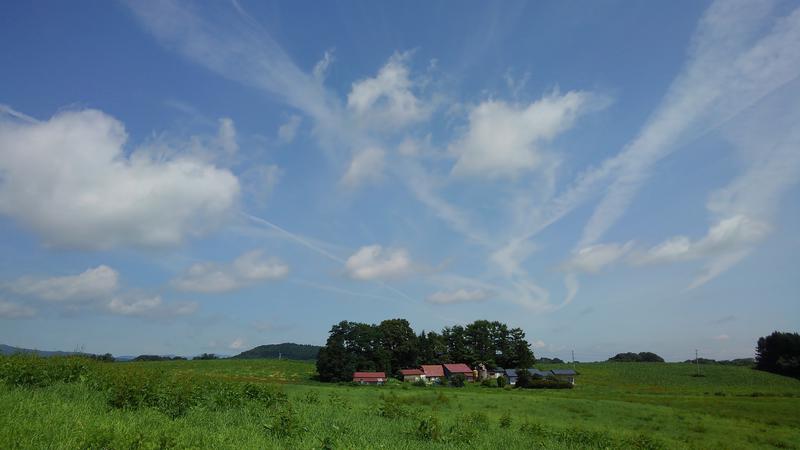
(392, 345)
(779, 353)
(744, 362)
(636, 357)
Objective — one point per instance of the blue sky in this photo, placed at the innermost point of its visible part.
(207, 177)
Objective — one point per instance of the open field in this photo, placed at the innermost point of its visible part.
(275, 404)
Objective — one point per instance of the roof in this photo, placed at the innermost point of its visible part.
(457, 368)
(564, 372)
(434, 370)
(498, 370)
(540, 373)
(511, 373)
(411, 372)
(369, 375)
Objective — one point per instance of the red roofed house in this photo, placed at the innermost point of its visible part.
(369, 377)
(452, 369)
(411, 374)
(433, 373)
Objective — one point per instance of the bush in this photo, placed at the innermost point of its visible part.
(489, 382)
(284, 423)
(458, 380)
(419, 383)
(502, 381)
(429, 429)
(506, 420)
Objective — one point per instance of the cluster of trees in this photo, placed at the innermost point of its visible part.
(779, 353)
(636, 357)
(392, 345)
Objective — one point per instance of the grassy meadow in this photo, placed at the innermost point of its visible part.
(75, 403)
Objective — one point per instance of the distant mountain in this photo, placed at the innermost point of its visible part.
(9, 350)
(288, 350)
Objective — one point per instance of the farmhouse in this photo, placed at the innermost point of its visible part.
(453, 369)
(433, 372)
(412, 374)
(567, 375)
(369, 377)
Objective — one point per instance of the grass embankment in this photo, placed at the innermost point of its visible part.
(274, 404)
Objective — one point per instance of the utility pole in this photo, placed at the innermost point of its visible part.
(697, 362)
(573, 359)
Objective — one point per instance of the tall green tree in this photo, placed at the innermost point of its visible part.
(779, 353)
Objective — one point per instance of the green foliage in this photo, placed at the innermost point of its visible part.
(779, 353)
(30, 370)
(489, 382)
(284, 422)
(206, 357)
(502, 381)
(506, 420)
(429, 429)
(232, 404)
(392, 345)
(287, 350)
(457, 380)
(636, 357)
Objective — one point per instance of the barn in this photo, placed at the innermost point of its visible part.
(411, 374)
(453, 369)
(369, 377)
(433, 372)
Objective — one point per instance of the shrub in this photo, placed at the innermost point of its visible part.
(506, 420)
(502, 381)
(420, 383)
(489, 382)
(429, 429)
(391, 407)
(284, 422)
(458, 380)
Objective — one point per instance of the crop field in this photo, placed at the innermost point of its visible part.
(78, 403)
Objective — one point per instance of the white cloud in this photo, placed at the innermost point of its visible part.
(373, 262)
(226, 137)
(237, 344)
(504, 140)
(387, 101)
(10, 310)
(288, 130)
(94, 284)
(259, 182)
(731, 67)
(734, 233)
(594, 258)
(721, 337)
(246, 270)
(322, 66)
(146, 306)
(69, 179)
(366, 166)
(538, 343)
(458, 296)
(95, 289)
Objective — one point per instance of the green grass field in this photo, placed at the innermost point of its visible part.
(275, 404)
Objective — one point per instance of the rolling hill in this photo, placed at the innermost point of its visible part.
(287, 350)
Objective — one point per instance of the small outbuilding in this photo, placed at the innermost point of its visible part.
(369, 377)
(459, 368)
(433, 372)
(411, 374)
